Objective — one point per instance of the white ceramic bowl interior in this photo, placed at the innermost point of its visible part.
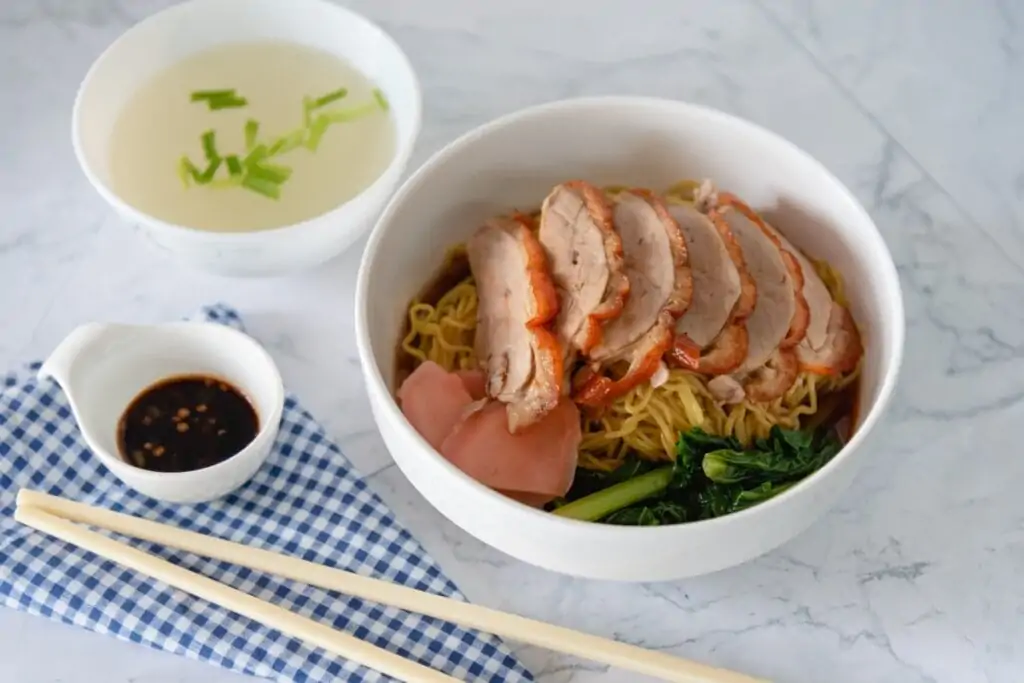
(103, 367)
(182, 30)
(512, 163)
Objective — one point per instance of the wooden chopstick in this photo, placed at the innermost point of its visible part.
(611, 652)
(335, 642)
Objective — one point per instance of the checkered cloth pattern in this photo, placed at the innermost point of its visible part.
(306, 501)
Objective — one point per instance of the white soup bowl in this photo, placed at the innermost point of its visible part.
(512, 163)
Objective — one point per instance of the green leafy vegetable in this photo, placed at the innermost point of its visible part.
(617, 496)
(711, 476)
(382, 101)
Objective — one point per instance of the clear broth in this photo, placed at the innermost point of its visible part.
(159, 124)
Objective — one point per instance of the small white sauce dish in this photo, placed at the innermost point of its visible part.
(170, 36)
(103, 367)
(510, 163)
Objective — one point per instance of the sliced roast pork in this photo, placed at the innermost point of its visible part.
(521, 358)
(832, 344)
(711, 337)
(779, 318)
(661, 287)
(585, 256)
(841, 350)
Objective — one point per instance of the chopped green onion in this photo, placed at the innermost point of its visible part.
(381, 100)
(350, 114)
(188, 172)
(316, 132)
(232, 102)
(271, 172)
(200, 95)
(262, 186)
(252, 127)
(328, 98)
(234, 165)
(208, 174)
(210, 145)
(258, 154)
(287, 143)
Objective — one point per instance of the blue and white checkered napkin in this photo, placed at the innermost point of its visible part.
(305, 501)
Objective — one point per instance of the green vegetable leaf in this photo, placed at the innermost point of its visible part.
(759, 494)
(654, 514)
(618, 496)
(382, 101)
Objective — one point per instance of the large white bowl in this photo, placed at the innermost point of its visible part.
(512, 163)
(182, 30)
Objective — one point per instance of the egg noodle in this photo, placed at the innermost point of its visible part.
(648, 420)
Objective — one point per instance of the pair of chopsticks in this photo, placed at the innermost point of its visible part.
(56, 516)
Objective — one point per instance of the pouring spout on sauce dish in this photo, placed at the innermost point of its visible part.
(183, 412)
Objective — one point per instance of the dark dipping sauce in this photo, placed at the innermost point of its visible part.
(186, 423)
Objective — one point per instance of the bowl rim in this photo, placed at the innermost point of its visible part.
(405, 144)
(396, 419)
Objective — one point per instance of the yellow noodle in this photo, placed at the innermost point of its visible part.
(647, 421)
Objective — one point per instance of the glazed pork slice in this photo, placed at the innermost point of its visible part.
(832, 344)
(841, 350)
(780, 316)
(585, 256)
(661, 287)
(520, 357)
(711, 337)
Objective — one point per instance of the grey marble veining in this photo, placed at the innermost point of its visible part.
(914, 577)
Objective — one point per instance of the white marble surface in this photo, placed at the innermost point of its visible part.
(914, 577)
